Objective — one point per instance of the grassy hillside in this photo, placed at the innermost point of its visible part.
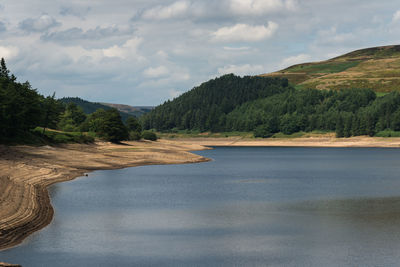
(375, 68)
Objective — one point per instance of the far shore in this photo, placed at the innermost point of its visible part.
(327, 140)
(27, 171)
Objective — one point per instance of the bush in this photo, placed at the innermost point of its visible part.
(262, 131)
(135, 136)
(388, 133)
(149, 136)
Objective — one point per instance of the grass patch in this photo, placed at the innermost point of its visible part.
(388, 133)
(332, 67)
(380, 94)
(60, 137)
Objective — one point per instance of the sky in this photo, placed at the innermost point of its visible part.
(144, 52)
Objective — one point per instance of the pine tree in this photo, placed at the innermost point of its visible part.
(339, 127)
(4, 72)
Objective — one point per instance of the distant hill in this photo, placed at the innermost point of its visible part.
(136, 111)
(90, 107)
(376, 68)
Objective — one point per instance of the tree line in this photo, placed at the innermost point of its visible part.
(205, 108)
(270, 105)
(23, 110)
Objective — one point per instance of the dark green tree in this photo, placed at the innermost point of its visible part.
(339, 127)
(72, 118)
(4, 72)
(133, 124)
(111, 128)
(52, 110)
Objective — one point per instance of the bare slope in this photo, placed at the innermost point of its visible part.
(377, 68)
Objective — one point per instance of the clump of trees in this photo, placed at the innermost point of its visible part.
(23, 109)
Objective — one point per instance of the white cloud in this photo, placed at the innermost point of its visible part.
(301, 58)
(261, 7)
(174, 10)
(396, 16)
(244, 32)
(42, 23)
(156, 72)
(174, 93)
(8, 52)
(128, 49)
(332, 37)
(162, 54)
(242, 48)
(245, 69)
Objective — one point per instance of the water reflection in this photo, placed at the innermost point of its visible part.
(248, 207)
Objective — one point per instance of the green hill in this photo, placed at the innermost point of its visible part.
(205, 107)
(136, 111)
(87, 107)
(376, 68)
(90, 107)
(269, 105)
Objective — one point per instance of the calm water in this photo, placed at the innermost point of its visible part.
(248, 207)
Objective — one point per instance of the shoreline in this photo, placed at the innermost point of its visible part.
(319, 141)
(25, 205)
(27, 172)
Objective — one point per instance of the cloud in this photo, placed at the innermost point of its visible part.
(332, 37)
(261, 7)
(74, 34)
(242, 48)
(245, 33)
(127, 50)
(301, 58)
(79, 12)
(3, 27)
(241, 70)
(156, 72)
(8, 52)
(396, 16)
(39, 24)
(176, 9)
(174, 93)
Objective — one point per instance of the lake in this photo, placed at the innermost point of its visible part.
(250, 206)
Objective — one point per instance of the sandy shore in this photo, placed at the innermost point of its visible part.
(26, 171)
(322, 141)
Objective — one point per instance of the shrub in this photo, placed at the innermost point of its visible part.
(135, 136)
(262, 131)
(149, 136)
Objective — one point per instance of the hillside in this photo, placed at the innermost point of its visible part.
(87, 107)
(90, 107)
(269, 105)
(376, 68)
(136, 111)
(205, 107)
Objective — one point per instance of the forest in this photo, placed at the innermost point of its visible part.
(262, 105)
(266, 106)
(29, 117)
